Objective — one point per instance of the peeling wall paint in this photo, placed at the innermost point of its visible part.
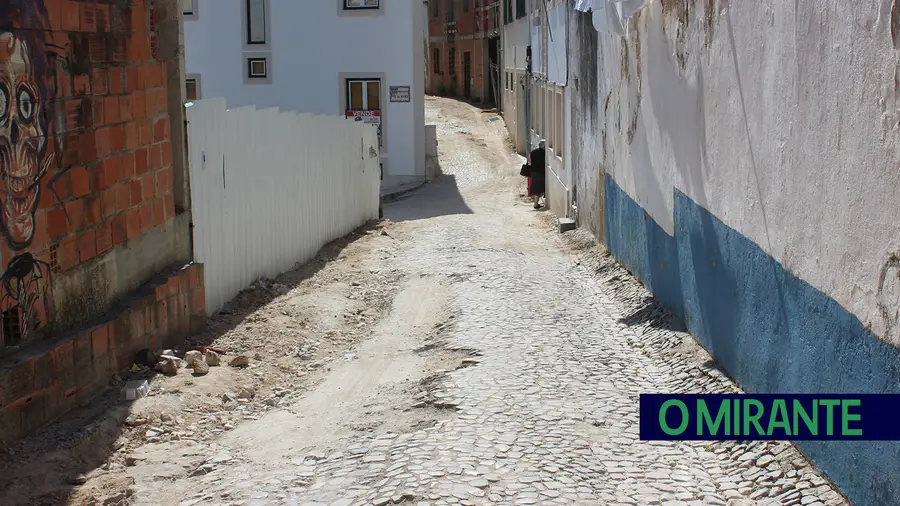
(751, 153)
(585, 125)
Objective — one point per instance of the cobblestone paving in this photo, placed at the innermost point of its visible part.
(547, 412)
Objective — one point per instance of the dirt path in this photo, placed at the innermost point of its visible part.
(340, 347)
(457, 353)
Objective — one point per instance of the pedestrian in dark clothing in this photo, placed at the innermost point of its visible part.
(537, 182)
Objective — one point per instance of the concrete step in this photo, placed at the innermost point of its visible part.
(566, 224)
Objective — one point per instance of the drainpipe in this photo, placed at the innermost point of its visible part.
(427, 21)
(572, 211)
(527, 86)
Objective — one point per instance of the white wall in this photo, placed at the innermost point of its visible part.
(270, 188)
(782, 122)
(514, 38)
(311, 44)
(536, 27)
(557, 66)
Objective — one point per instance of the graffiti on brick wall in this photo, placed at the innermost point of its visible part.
(28, 63)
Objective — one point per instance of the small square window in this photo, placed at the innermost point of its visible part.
(257, 68)
(192, 89)
(361, 4)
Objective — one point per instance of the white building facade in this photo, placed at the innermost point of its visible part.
(546, 93)
(354, 58)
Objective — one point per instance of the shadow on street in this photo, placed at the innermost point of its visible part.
(439, 198)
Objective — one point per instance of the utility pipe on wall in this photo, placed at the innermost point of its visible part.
(527, 86)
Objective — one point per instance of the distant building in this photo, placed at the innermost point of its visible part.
(360, 58)
(464, 49)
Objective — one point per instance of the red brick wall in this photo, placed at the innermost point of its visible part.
(443, 83)
(96, 158)
(470, 36)
(86, 172)
(55, 376)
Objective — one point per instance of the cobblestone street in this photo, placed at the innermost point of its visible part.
(482, 358)
(558, 344)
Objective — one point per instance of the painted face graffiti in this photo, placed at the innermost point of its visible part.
(23, 141)
(29, 60)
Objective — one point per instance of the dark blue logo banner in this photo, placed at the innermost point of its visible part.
(795, 417)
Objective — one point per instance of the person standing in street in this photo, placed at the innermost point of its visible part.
(536, 183)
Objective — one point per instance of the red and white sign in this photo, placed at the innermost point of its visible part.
(364, 114)
(368, 117)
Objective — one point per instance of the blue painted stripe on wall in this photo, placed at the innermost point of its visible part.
(636, 240)
(770, 330)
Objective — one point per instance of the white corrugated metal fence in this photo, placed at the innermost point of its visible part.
(270, 188)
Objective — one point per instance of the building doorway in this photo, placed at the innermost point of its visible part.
(467, 74)
(494, 94)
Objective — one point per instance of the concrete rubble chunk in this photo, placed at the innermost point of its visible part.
(173, 358)
(212, 358)
(167, 366)
(240, 361)
(192, 357)
(566, 224)
(201, 368)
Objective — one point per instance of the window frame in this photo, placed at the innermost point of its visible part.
(196, 79)
(361, 7)
(560, 125)
(249, 16)
(546, 111)
(551, 118)
(257, 59)
(192, 14)
(365, 81)
(436, 60)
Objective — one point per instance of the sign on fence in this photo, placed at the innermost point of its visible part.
(368, 117)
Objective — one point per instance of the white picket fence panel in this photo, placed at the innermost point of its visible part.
(270, 188)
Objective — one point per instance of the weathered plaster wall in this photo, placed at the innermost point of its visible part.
(804, 118)
(751, 182)
(587, 155)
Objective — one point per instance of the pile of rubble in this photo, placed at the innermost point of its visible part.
(168, 362)
(199, 360)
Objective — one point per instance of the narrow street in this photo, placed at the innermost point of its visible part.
(490, 361)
